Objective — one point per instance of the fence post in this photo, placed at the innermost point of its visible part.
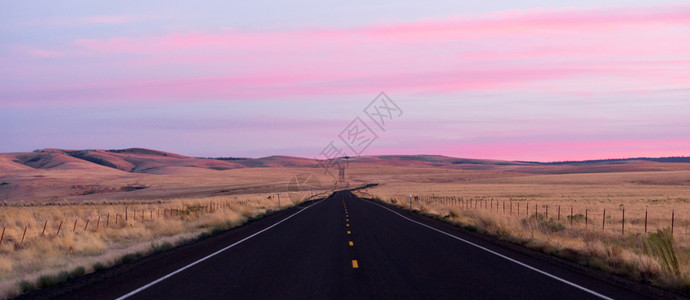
(43, 233)
(527, 210)
(74, 228)
(126, 214)
(571, 215)
(98, 222)
(3, 233)
(559, 213)
(59, 226)
(547, 212)
(645, 221)
(87, 223)
(586, 217)
(623, 224)
(673, 215)
(107, 220)
(603, 221)
(23, 235)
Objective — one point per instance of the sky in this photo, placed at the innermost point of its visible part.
(514, 80)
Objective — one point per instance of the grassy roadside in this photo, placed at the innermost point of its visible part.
(46, 260)
(654, 258)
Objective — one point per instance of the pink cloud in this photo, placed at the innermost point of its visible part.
(93, 20)
(548, 150)
(593, 51)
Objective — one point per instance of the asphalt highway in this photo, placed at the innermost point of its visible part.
(344, 247)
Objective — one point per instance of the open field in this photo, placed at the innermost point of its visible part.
(85, 238)
(526, 203)
(525, 210)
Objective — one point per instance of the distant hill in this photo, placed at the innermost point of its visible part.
(139, 160)
(59, 175)
(672, 159)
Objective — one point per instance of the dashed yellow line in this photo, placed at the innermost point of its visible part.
(348, 232)
(351, 243)
(354, 264)
(348, 225)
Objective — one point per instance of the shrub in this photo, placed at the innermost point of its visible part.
(660, 245)
(26, 286)
(76, 272)
(97, 267)
(130, 257)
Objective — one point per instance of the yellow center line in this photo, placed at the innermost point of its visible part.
(348, 225)
(351, 243)
(348, 232)
(354, 264)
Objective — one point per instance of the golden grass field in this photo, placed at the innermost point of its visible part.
(151, 225)
(480, 204)
(60, 185)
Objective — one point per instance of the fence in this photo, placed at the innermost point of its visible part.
(604, 217)
(51, 222)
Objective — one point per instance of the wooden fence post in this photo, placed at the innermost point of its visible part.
(23, 235)
(673, 217)
(645, 221)
(559, 213)
(74, 228)
(59, 226)
(586, 217)
(87, 223)
(623, 223)
(98, 222)
(603, 220)
(43, 233)
(3, 233)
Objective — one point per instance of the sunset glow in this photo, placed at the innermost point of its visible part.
(520, 82)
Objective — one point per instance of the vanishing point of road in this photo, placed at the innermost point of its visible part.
(344, 247)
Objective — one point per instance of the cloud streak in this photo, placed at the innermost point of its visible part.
(507, 50)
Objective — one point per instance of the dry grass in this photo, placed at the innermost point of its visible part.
(46, 258)
(479, 205)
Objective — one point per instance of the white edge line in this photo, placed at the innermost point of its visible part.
(498, 254)
(134, 292)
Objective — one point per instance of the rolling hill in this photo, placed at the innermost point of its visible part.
(55, 175)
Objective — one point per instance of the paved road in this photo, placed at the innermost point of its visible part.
(344, 247)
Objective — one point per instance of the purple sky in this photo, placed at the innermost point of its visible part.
(522, 80)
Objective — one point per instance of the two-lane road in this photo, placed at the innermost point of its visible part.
(346, 247)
